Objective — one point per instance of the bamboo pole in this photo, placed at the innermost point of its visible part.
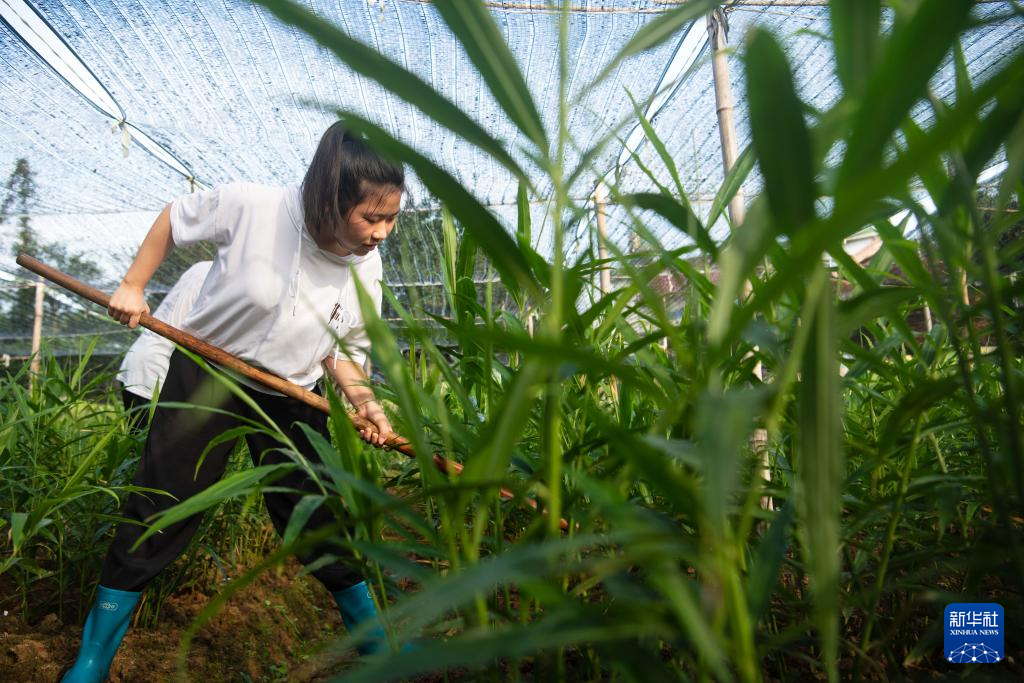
(717, 29)
(37, 333)
(225, 359)
(723, 107)
(601, 202)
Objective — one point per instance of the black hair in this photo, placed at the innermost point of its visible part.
(343, 172)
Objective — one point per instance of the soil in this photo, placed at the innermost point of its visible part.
(273, 630)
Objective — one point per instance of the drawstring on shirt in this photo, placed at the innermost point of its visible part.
(293, 286)
(340, 316)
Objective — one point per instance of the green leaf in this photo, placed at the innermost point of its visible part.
(963, 76)
(821, 472)
(366, 61)
(449, 248)
(17, 531)
(933, 173)
(907, 61)
(1014, 165)
(731, 184)
(764, 570)
(659, 146)
(446, 370)
(465, 288)
(502, 435)
(523, 230)
(724, 421)
(736, 262)
(985, 140)
(479, 648)
(921, 395)
(522, 562)
(406, 392)
(344, 456)
(855, 25)
(871, 305)
(780, 135)
(473, 25)
(230, 435)
(236, 485)
(301, 513)
(678, 213)
(656, 32)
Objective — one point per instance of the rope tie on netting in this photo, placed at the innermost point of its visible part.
(126, 135)
(39, 36)
(373, 3)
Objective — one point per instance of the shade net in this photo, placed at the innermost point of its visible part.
(179, 96)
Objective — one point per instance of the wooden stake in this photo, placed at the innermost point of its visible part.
(600, 201)
(737, 208)
(37, 333)
(723, 106)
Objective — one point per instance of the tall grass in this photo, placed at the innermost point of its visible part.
(896, 459)
(61, 457)
(67, 455)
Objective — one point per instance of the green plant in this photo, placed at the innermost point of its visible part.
(66, 461)
(895, 450)
(61, 457)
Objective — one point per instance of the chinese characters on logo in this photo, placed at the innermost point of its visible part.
(973, 618)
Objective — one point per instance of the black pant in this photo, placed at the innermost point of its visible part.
(176, 439)
(135, 411)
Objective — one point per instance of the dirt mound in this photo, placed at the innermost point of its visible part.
(270, 631)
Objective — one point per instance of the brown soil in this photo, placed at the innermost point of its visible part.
(270, 631)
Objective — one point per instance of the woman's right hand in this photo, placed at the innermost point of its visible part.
(128, 304)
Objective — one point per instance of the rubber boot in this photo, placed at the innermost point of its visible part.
(104, 628)
(357, 609)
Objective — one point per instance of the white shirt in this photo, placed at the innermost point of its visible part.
(272, 291)
(145, 364)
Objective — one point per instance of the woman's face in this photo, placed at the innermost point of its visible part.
(368, 224)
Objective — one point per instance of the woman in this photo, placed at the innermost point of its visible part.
(279, 295)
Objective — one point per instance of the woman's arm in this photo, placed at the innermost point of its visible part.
(352, 380)
(129, 301)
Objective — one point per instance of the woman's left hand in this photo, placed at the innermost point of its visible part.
(371, 410)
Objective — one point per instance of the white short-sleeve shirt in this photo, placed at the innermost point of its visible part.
(273, 297)
(145, 364)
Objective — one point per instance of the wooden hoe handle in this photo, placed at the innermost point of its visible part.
(225, 359)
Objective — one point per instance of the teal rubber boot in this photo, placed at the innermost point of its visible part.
(357, 610)
(104, 628)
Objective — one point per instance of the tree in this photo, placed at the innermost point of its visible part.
(18, 309)
(19, 195)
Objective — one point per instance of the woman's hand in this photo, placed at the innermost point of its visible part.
(353, 382)
(371, 410)
(128, 304)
